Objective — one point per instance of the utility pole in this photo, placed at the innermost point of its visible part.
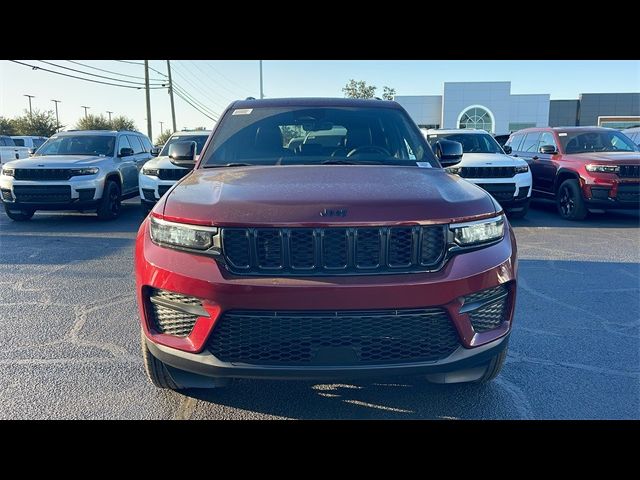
(146, 85)
(85, 110)
(261, 91)
(173, 108)
(161, 129)
(109, 115)
(57, 121)
(30, 97)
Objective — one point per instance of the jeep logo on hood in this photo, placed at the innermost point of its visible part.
(342, 212)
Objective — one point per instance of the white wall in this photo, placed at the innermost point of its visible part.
(495, 96)
(423, 109)
(529, 109)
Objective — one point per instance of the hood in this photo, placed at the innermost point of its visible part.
(489, 159)
(161, 162)
(295, 195)
(58, 161)
(619, 158)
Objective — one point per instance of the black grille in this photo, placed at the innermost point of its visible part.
(330, 251)
(172, 173)
(42, 193)
(522, 193)
(168, 320)
(500, 191)
(162, 189)
(333, 338)
(487, 172)
(42, 174)
(490, 315)
(149, 194)
(629, 171)
(86, 194)
(629, 193)
(6, 195)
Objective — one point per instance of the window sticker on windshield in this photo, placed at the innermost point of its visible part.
(562, 134)
(242, 111)
(423, 164)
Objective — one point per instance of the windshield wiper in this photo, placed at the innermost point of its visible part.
(351, 162)
(229, 165)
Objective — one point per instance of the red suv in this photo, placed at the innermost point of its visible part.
(582, 168)
(319, 238)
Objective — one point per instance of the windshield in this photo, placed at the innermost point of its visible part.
(595, 141)
(471, 142)
(317, 135)
(199, 139)
(79, 145)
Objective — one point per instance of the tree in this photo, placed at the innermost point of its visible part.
(163, 137)
(388, 93)
(93, 122)
(359, 89)
(7, 126)
(122, 123)
(40, 123)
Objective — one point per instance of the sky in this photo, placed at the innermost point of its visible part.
(213, 84)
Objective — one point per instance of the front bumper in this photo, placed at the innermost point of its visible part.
(152, 188)
(511, 193)
(220, 291)
(77, 193)
(619, 195)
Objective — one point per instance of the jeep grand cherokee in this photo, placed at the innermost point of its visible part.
(346, 257)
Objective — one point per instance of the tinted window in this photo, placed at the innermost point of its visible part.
(79, 145)
(515, 141)
(547, 139)
(530, 143)
(124, 143)
(135, 144)
(7, 142)
(146, 144)
(595, 141)
(19, 142)
(199, 139)
(471, 142)
(371, 135)
(38, 141)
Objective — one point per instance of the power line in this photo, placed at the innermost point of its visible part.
(200, 104)
(92, 74)
(81, 78)
(115, 73)
(142, 63)
(208, 116)
(205, 93)
(214, 80)
(233, 82)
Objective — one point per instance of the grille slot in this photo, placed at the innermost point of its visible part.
(149, 194)
(6, 195)
(172, 173)
(333, 337)
(331, 251)
(42, 174)
(42, 193)
(500, 191)
(168, 320)
(629, 193)
(490, 315)
(487, 172)
(632, 171)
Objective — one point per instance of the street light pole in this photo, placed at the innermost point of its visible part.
(30, 97)
(109, 115)
(85, 110)
(57, 120)
(161, 129)
(261, 91)
(148, 95)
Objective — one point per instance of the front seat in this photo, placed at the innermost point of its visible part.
(268, 142)
(356, 137)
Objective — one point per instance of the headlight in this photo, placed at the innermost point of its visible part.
(478, 232)
(183, 236)
(84, 171)
(522, 168)
(602, 168)
(453, 170)
(152, 172)
(9, 172)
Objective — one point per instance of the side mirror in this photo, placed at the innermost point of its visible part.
(32, 151)
(155, 151)
(507, 149)
(126, 152)
(448, 152)
(183, 154)
(548, 149)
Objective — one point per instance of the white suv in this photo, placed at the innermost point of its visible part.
(486, 164)
(76, 170)
(159, 174)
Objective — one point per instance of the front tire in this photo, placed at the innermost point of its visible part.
(156, 370)
(494, 367)
(110, 203)
(569, 201)
(22, 216)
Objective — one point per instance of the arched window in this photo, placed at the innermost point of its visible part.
(476, 117)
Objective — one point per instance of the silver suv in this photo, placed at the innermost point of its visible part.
(76, 170)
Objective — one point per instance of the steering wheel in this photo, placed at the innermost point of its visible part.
(370, 148)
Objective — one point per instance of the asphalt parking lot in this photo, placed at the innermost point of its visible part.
(69, 335)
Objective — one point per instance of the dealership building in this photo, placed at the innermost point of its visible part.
(491, 106)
